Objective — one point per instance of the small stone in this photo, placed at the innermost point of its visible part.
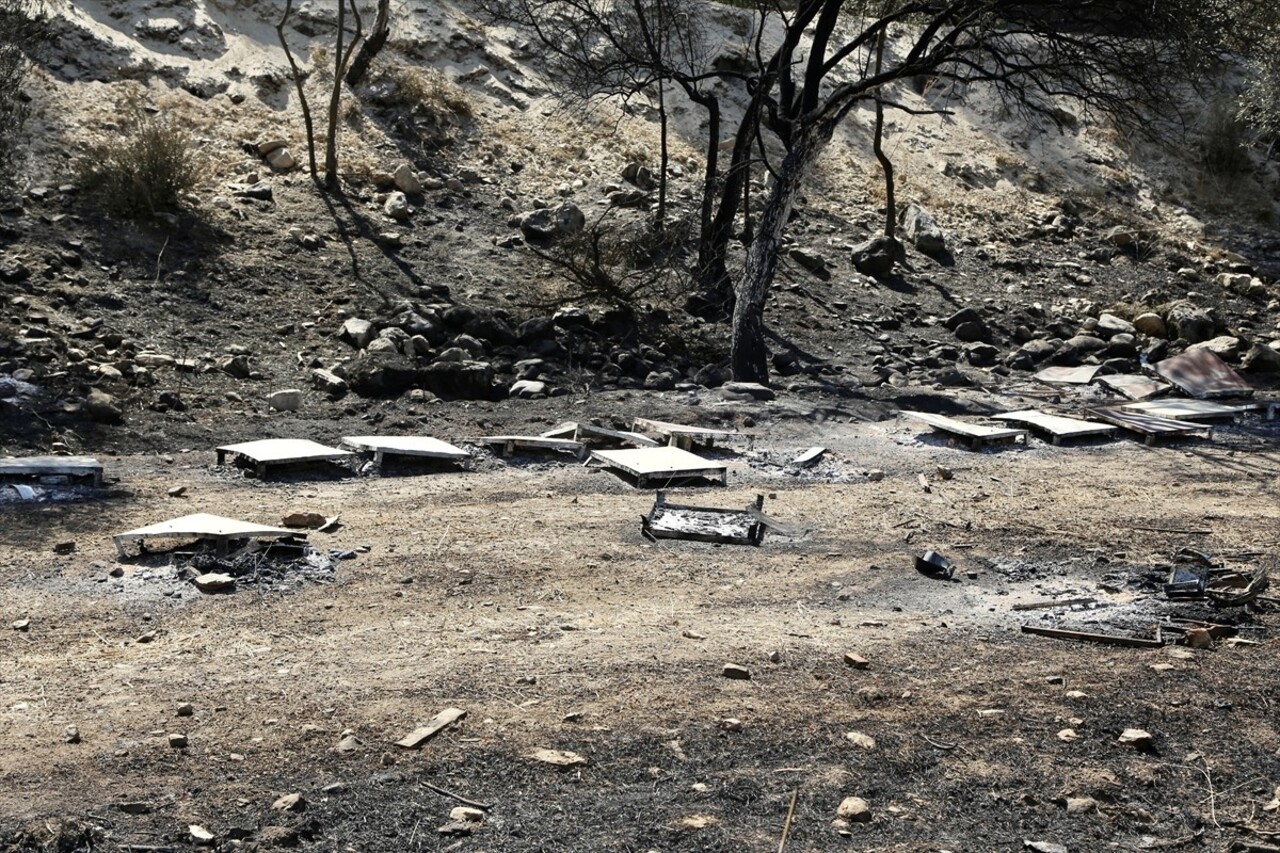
(285, 400)
(72, 734)
(731, 724)
(199, 834)
(739, 673)
(854, 810)
(146, 637)
(1068, 736)
(186, 709)
(1137, 738)
(22, 624)
(856, 661)
(305, 520)
(177, 491)
(289, 803)
(64, 548)
(214, 582)
(692, 635)
(1081, 805)
(1044, 847)
(875, 475)
(1076, 694)
(466, 813)
(861, 740)
(406, 180)
(177, 741)
(348, 743)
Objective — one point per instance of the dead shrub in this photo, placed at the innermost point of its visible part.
(431, 107)
(144, 169)
(23, 29)
(1223, 144)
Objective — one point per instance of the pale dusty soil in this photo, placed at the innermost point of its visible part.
(476, 580)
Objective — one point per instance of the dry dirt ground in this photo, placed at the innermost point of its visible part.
(523, 593)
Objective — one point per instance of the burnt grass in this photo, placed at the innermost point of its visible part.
(940, 777)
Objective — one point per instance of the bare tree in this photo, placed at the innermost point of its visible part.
(372, 45)
(1118, 59)
(299, 83)
(342, 57)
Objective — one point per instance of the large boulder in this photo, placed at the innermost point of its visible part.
(459, 380)
(918, 227)
(876, 256)
(1225, 347)
(358, 332)
(102, 408)
(381, 374)
(1190, 322)
(548, 223)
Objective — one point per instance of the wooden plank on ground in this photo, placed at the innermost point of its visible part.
(509, 443)
(438, 723)
(1085, 636)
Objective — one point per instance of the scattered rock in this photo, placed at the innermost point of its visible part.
(1068, 736)
(876, 257)
(328, 382)
(72, 734)
(304, 520)
(290, 803)
(1081, 805)
(528, 389)
(856, 661)
(101, 407)
(199, 834)
(1192, 324)
(214, 582)
(397, 206)
(1225, 347)
(860, 740)
(854, 810)
(1110, 324)
(186, 709)
(751, 389)
(281, 160)
(285, 400)
(22, 625)
(1151, 324)
(556, 757)
(1044, 847)
(550, 223)
(177, 740)
(919, 227)
(810, 260)
(177, 491)
(357, 332)
(406, 180)
(1137, 738)
(466, 813)
(739, 673)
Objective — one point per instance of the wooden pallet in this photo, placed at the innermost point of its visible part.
(416, 446)
(1150, 427)
(1183, 410)
(281, 451)
(73, 467)
(684, 437)
(588, 432)
(662, 466)
(508, 444)
(1057, 426)
(976, 436)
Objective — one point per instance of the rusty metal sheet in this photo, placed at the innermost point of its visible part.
(1201, 374)
(1133, 386)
